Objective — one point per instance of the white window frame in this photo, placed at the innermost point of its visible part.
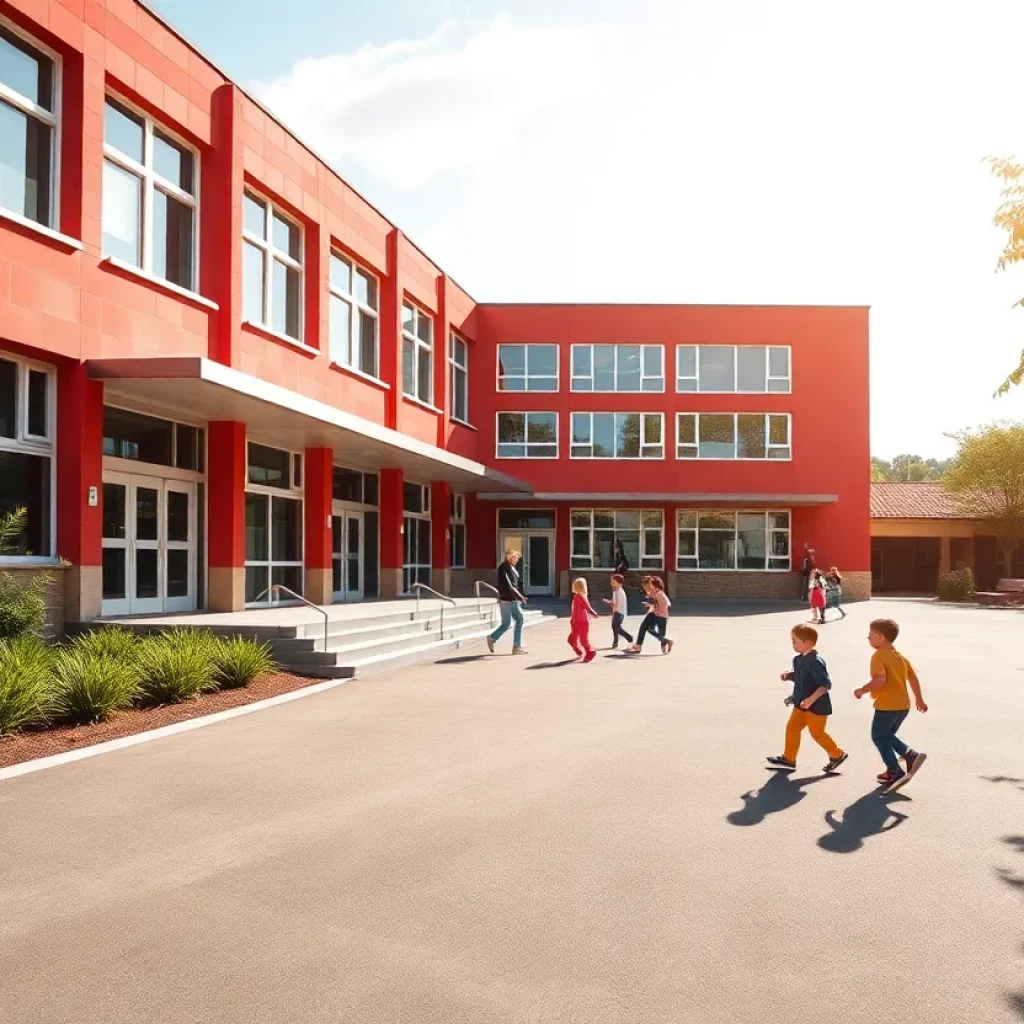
(422, 516)
(527, 443)
(25, 443)
(270, 254)
(769, 445)
(454, 369)
(52, 119)
(355, 307)
(646, 561)
(417, 344)
(645, 446)
(457, 523)
(618, 347)
(527, 376)
(153, 182)
(690, 563)
(735, 390)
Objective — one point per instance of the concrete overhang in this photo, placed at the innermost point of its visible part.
(695, 497)
(196, 388)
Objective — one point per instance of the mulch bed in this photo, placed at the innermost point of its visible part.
(42, 742)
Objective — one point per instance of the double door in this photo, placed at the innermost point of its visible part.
(149, 545)
(537, 565)
(349, 543)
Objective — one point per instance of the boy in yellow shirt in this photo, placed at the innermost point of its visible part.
(890, 674)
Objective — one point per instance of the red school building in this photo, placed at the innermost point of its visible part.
(221, 368)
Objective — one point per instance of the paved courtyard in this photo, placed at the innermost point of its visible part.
(490, 839)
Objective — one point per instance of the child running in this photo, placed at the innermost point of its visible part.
(656, 619)
(811, 702)
(818, 600)
(579, 620)
(617, 603)
(890, 673)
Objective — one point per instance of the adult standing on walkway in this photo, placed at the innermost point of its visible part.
(511, 600)
(807, 568)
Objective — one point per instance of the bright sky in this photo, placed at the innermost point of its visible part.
(682, 151)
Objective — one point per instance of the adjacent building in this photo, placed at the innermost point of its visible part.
(221, 369)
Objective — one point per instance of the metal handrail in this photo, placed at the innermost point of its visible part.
(417, 587)
(298, 597)
(476, 587)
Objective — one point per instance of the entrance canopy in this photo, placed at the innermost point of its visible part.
(208, 390)
(625, 498)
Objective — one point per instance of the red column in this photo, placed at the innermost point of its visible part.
(317, 503)
(669, 546)
(80, 489)
(442, 373)
(563, 547)
(392, 550)
(440, 553)
(225, 472)
(391, 331)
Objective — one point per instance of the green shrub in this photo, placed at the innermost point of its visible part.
(22, 608)
(238, 661)
(24, 683)
(114, 642)
(957, 585)
(176, 665)
(87, 688)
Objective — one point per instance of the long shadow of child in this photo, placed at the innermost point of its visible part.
(871, 815)
(779, 793)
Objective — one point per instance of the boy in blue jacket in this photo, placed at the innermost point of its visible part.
(811, 702)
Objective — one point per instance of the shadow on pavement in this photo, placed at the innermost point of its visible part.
(1004, 778)
(462, 659)
(871, 815)
(779, 793)
(1015, 882)
(552, 664)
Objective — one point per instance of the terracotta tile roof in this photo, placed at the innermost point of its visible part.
(913, 501)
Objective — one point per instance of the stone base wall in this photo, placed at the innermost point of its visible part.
(463, 581)
(599, 584)
(770, 586)
(53, 594)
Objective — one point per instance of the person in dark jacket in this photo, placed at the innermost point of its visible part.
(511, 600)
(810, 700)
(807, 567)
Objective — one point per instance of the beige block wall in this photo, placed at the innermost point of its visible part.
(53, 594)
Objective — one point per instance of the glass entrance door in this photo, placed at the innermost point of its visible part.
(537, 564)
(348, 537)
(148, 545)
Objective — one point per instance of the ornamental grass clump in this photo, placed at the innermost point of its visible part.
(238, 661)
(24, 683)
(176, 665)
(114, 642)
(90, 688)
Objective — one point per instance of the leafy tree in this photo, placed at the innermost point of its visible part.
(1010, 218)
(908, 469)
(987, 479)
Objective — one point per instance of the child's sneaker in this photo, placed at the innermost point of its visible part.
(913, 760)
(834, 763)
(782, 762)
(893, 780)
(589, 656)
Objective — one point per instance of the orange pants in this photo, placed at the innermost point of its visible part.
(815, 725)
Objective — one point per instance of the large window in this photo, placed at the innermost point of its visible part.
(527, 435)
(150, 192)
(271, 267)
(732, 540)
(416, 539)
(355, 486)
(731, 435)
(131, 435)
(273, 522)
(618, 368)
(527, 367)
(28, 128)
(27, 428)
(617, 435)
(458, 362)
(355, 299)
(753, 369)
(598, 535)
(457, 532)
(417, 353)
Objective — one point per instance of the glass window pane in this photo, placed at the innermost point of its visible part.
(603, 435)
(371, 489)
(115, 497)
(253, 281)
(341, 274)
(580, 428)
(366, 348)
(717, 520)
(425, 328)
(187, 448)
(177, 516)
(652, 429)
(460, 389)
(686, 425)
(254, 216)
(652, 360)
(511, 428)
(408, 318)
(717, 368)
(580, 542)
(257, 579)
(123, 130)
(750, 368)
(173, 161)
(751, 437)
(289, 576)
(173, 242)
(269, 466)
(604, 367)
(687, 543)
(751, 541)
(627, 520)
(511, 360)
(627, 435)
(408, 366)
(122, 214)
(628, 357)
(366, 289)
(147, 573)
(285, 530)
(287, 237)
(347, 484)
(285, 299)
(778, 429)
(686, 361)
(780, 544)
(717, 437)
(425, 374)
(177, 573)
(147, 520)
(778, 386)
(542, 428)
(114, 576)
(38, 393)
(25, 145)
(341, 330)
(779, 520)
(716, 549)
(130, 435)
(25, 482)
(778, 361)
(25, 69)
(582, 360)
(542, 360)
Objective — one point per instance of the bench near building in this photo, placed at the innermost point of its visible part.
(221, 368)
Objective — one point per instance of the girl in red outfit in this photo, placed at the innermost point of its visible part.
(579, 620)
(817, 596)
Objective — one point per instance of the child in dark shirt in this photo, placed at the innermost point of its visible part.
(810, 700)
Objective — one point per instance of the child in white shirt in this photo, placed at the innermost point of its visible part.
(617, 602)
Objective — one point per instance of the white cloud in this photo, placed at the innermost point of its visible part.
(412, 109)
